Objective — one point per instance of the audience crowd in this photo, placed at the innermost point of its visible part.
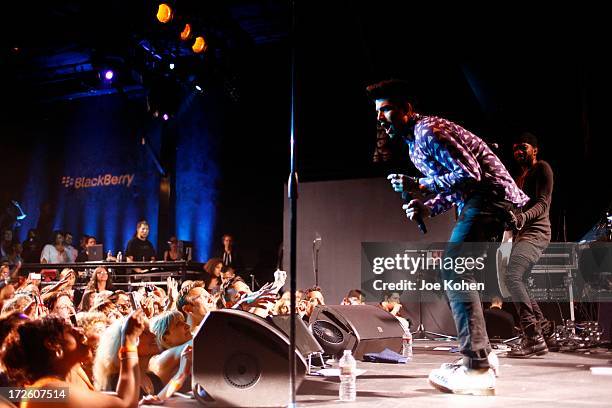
(97, 338)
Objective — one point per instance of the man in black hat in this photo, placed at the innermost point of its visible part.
(531, 236)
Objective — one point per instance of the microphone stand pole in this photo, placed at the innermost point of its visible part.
(292, 189)
(317, 268)
(315, 261)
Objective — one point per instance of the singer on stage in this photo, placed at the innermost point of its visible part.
(459, 170)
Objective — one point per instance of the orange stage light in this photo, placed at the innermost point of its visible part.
(186, 33)
(199, 45)
(164, 13)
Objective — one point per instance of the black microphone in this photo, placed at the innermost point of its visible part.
(418, 218)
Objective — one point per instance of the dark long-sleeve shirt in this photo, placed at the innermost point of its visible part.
(456, 162)
(538, 185)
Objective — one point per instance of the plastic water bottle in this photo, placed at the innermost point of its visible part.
(109, 255)
(119, 257)
(348, 377)
(407, 343)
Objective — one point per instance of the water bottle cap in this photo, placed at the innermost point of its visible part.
(347, 352)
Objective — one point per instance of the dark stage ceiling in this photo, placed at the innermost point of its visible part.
(495, 71)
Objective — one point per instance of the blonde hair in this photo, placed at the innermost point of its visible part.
(87, 320)
(106, 362)
(159, 326)
(185, 283)
(17, 303)
(280, 303)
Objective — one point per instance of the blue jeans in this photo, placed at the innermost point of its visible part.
(481, 220)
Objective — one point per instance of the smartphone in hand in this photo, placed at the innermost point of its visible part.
(135, 303)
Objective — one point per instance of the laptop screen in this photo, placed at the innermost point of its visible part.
(95, 253)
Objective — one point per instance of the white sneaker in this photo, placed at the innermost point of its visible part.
(493, 363)
(463, 380)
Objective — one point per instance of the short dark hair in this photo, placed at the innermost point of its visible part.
(356, 293)
(387, 294)
(314, 289)
(142, 222)
(395, 90)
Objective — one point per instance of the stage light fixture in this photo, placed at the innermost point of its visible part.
(198, 88)
(186, 33)
(172, 65)
(199, 45)
(165, 116)
(164, 13)
(109, 75)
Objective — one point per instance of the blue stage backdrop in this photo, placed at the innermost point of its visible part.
(197, 173)
(91, 168)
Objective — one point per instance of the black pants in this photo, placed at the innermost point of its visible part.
(522, 258)
(481, 221)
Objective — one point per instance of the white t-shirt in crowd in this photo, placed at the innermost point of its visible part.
(52, 255)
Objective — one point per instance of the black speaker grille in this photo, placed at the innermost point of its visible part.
(242, 370)
(327, 332)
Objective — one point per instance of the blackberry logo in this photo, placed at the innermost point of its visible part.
(67, 181)
(102, 180)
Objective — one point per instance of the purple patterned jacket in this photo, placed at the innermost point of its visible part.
(456, 162)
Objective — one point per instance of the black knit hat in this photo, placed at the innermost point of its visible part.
(527, 138)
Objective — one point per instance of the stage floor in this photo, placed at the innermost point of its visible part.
(553, 380)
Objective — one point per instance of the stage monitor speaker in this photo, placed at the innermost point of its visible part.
(241, 360)
(360, 328)
(605, 320)
(305, 342)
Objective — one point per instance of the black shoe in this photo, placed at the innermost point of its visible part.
(548, 331)
(528, 347)
(551, 343)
